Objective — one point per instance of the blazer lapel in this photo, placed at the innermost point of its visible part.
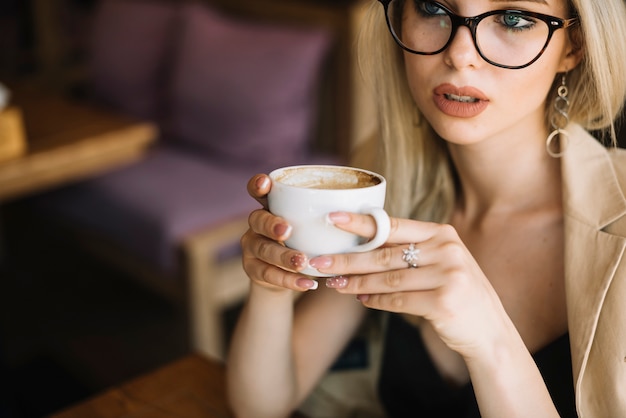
(592, 200)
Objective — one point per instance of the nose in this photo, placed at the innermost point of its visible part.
(462, 52)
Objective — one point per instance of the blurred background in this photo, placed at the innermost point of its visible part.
(100, 271)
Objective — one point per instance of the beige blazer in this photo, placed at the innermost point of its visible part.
(594, 184)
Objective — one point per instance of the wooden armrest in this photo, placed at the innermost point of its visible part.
(211, 240)
(227, 280)
(214, 283)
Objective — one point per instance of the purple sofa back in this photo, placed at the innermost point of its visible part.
(131, 47)
(227, 89)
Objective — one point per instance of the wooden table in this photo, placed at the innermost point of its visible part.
(68, 141)
(193, 387)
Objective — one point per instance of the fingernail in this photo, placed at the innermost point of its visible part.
(299, 261)
(306, 284)
(262, 182)
(363, 298)
(338, 282)
(320, 262)
(282, 230)
(337, 218)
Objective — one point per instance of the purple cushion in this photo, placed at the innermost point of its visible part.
(148, 207)
(131, 43)
(245, 91)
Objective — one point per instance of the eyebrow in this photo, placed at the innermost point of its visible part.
(521, 1)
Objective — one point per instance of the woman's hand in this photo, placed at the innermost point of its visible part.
(447, 288)
(265, 259)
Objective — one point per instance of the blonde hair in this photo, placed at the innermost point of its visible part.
(597, 86)
(415, 159)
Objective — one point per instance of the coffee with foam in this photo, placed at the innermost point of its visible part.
(334, 178)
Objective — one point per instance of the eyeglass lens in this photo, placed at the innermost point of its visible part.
(505, 38)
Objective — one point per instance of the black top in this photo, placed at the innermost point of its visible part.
(411, 386)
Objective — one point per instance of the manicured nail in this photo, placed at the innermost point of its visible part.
(363, 298)
(282, 230)
(338, 218)
(306, 284)
(321, 262)
(338, 282)
(298, 261)
(262, 182)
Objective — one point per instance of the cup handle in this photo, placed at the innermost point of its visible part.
(383, 229)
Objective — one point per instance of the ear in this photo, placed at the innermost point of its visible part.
(573, 51)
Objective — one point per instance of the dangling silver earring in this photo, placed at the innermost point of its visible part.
(559, 121)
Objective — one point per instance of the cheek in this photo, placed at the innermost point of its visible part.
(521, 93)
(537, 83)
(556, 56)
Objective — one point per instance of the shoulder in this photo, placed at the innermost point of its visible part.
(594, 183)
(591, 147)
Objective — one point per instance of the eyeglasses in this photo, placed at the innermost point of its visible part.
(505, 38)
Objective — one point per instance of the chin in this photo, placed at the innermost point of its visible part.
(458, 131)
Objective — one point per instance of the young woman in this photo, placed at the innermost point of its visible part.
(504, 277)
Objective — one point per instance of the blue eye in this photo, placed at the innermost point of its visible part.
(516, 21)
(430, 8)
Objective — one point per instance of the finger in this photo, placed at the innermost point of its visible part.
(405, 280)
(414, 303)
(408, 230)
(363, 225)
(390, 257)
(269, 251)
(264, 223)
(258, 187)
(271, 276)
(402, 230)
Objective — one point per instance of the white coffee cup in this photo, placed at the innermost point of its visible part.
(304, 196)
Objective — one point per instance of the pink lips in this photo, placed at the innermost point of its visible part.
(461, 102)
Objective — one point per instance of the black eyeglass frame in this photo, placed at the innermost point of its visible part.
(554, 23)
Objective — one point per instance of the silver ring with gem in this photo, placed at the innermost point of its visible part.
(411, 256)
